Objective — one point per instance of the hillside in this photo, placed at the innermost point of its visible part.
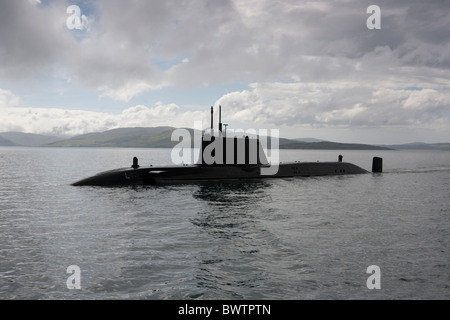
(422, 146)
(327, 145)
(25, 139)
(6, 142)
(158, 137)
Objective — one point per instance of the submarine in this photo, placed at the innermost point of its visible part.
(223, 159)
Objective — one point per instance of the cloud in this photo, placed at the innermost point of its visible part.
(32, 39)
(299, 110)
(310, 63)
(350, 104)
(217, 42)
(8, 99)
(73, 122)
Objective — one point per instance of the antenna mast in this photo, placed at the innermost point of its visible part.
(212, 123)
(220, 119)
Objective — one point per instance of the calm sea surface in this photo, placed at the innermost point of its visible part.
(302, 238)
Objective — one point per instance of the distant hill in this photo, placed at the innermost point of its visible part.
(327, 145)
(421, 146)
(441, 146)
(25, 139)
(308, 140)
(6, 142)
(158, 137)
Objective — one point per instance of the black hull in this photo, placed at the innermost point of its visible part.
(172, 175)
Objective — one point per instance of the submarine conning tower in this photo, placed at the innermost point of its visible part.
(221, 150)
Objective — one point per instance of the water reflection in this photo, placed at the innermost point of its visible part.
(228, 209)
(233, 194)
(229, 204)
(231, 215)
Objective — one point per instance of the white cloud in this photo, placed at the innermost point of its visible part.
(259, 108)
(349, 104)
(85, 25)
(8, 99)
(427, 100)
(74, 122)
(125, 92)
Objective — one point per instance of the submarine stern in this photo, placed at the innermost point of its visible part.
(312, 169)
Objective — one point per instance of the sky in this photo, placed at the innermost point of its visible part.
(333, 70)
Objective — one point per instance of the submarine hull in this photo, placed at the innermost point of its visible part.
(170, 175)
(222, 158)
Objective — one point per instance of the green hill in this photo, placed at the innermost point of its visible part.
(6, 142)
(25, 139)
(441, 146)
(422, 146)
(328, 145)
(158, 137)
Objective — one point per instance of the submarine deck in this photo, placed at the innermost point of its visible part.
(166, 175)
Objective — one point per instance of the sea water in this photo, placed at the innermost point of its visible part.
(296, 238)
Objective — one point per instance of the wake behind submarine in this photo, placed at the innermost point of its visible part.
(223, 159)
